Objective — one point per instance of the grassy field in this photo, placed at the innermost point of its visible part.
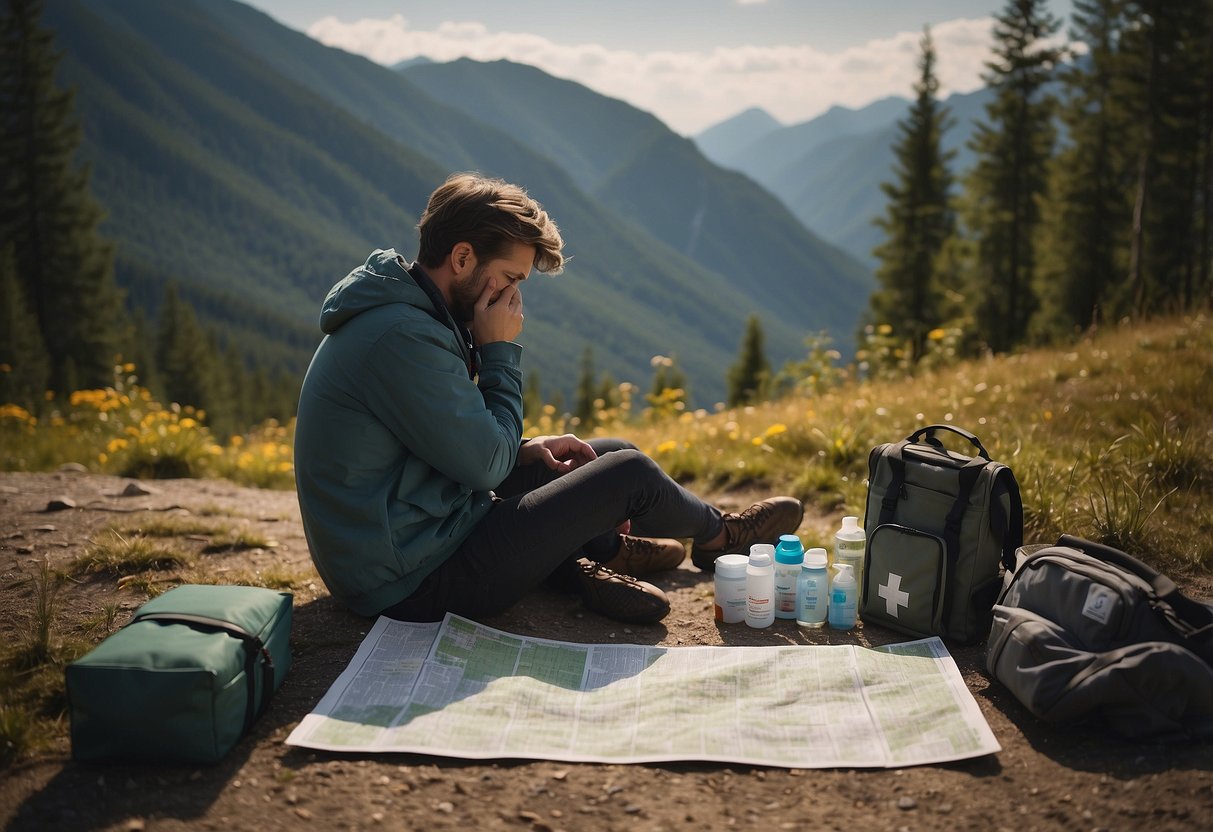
(1110, 438)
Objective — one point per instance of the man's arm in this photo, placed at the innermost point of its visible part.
(424, 396)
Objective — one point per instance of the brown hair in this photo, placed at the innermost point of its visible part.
(489, 214)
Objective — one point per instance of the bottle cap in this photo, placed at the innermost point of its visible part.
(731, 565)
(766, 548)
(789, 549)
(850, 523)
(845, 576)
(815, 559)
(760, 559)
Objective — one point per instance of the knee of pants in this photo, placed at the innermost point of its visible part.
(636, 466)
(610, 445)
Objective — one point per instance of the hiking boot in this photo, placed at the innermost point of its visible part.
(620, 597)
(640, 556)
(760, 523)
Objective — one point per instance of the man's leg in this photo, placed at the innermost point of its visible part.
(528, 536)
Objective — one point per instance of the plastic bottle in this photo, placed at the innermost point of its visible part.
(842, 598)
(850, 542)
(760, 586)
(789, 555)
(730, 588)
(812, 590)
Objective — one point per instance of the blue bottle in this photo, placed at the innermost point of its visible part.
(813, 590)
(789, 555)
(843, 606)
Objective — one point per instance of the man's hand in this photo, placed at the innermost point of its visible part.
(497, 316)
(560, 453)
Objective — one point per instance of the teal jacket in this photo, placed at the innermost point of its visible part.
(396, 447)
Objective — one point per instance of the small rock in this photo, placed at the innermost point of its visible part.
(135, 489)
(73, 468)
(135, 825)
(560, 775)
(906, 802)
(446, 807)
(60, 504)
(528, 816)
(944, 808)
(25, 550)
(47, 528)
(631, 809)
(303, 814)
(377, 817)
(9, 489)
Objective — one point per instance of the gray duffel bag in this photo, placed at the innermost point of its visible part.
(1083, 630)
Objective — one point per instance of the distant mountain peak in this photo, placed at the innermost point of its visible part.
(720, 141)
(417, 60)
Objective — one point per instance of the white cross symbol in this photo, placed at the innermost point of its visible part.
(893, 595)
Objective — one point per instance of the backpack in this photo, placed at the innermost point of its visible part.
(938, 524)
(1084, 630)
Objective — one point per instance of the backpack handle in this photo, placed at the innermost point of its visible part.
(929, 433)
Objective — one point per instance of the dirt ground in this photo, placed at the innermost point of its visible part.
(1045, 777)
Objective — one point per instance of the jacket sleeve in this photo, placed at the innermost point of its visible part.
(420, 389)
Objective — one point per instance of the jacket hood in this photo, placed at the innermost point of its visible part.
(383, 279)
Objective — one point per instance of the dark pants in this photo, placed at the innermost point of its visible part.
(541, 522)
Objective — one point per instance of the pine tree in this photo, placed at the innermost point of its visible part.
(918, 217)
(1082, 243)
(1013, 146)
(183, 354)
(47, 211)
(587, 390)
(24, 363)
(748, 378)
(1167, 65)
(532, 396)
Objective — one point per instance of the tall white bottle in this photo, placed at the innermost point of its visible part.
(850, 544)
(760, 586)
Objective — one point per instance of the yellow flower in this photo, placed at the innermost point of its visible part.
(757, 440)
(188, 423)
(667, 446)
(936, 334)
(128, 368)
(885, 329)
(776, 429)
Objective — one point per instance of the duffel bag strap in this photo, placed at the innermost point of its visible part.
(253, 647)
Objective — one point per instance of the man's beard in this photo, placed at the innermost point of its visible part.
(465, 293)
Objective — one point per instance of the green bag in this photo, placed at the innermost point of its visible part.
(185, 679)
(939, 525)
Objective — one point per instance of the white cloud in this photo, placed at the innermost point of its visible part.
(693, 89)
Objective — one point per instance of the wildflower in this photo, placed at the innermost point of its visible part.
(884, 329)
(936, 334)
(667, 446)
(775, 429)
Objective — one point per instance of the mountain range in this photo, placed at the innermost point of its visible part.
(828, 170)
(253, 167)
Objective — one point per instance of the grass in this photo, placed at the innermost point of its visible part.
(1110, 438)
(118, 555)
(235, 540)
(159, 525)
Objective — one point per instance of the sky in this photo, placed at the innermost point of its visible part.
(692, 63)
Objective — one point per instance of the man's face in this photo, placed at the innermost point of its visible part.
(494, 275)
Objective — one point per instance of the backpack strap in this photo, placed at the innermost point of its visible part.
(1012, 524)
(253, 647)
